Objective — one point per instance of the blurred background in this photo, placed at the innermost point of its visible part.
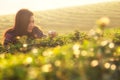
(11, 6)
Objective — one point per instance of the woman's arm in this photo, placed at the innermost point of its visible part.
(8, 39)
(38, 33)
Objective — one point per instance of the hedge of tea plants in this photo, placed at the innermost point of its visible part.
(92, 55)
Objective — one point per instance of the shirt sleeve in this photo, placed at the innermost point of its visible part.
(8, 39)
(38, 33)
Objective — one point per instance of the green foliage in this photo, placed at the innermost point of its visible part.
(75, 56)
(116, 39)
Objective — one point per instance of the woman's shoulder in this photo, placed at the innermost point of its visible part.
(38, 32)
(9, 33)
(9, 37)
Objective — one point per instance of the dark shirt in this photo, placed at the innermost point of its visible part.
(10, 36)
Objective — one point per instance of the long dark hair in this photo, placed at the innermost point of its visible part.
(22, 20)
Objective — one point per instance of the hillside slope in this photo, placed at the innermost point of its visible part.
(80, 17)
(69, 19)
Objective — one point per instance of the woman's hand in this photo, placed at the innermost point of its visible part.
(52, 34)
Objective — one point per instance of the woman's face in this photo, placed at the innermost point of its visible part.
(31, 24)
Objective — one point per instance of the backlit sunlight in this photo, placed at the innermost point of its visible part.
(12, 6)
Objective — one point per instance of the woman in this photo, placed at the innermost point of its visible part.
(24, 25)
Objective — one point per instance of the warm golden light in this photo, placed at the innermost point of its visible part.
(28, 60)
(107, 65)
(2, 56)
(76, 50)
(104, 43)
(25, 45)
(34, 50)
(46, 68)
(113, 67)
(84, 53)
(58, 63)
(47, 53)
(94, 63)
(42, 4)
(111, 45)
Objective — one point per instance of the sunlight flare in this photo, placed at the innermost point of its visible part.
(42, 4)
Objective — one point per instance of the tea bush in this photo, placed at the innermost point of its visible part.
(75, 56)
